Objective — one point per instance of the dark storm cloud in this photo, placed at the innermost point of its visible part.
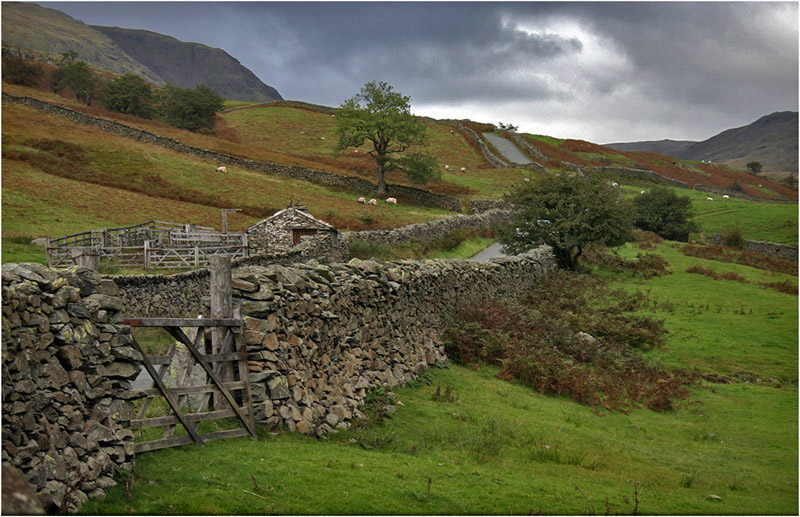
(600, 71)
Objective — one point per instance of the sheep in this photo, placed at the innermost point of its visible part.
(391, 200)
(373, 202)
(642, 192)
(362, 200)
(447, 167)
(452, 132)
(709, 199)
(726, 196)
(614, 184)
(222, 169)
(527, 179)
(463, 169)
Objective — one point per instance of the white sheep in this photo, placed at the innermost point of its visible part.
(362, 200)
(391, 200)
(726, 196)
(373, 202)
(614, 184)
(447, 167)
(709, 199)
(642, 192)
(463, 169)
(222, 169)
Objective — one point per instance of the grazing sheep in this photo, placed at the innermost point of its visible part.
(642, 192)
(391, 200)
(463, 169)
(373, 202)
(614, 184)
(362, 200)
(726, 196)
(447, 167)
(222, 169)
(452, 132)
(709, 199)
(527, 179)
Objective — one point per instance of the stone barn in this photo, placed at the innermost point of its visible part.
(285, 229)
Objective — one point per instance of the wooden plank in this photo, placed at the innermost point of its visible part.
(244, 375)
(160, 421)
(180, 336)
(161, 371)
(157, 379)
(182, 322)
(184, 390)
(161, 444)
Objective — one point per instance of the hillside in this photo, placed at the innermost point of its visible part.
(771, 140)
(189, 64)
(51, 32)
(157, 58)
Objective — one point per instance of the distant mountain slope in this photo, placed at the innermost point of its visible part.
(771, 140)
(189, 64)
(157, 58)
(668, 147)
(49, 31)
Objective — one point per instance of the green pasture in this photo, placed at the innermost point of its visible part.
(495, 447)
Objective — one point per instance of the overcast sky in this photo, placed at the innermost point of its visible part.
(598, 71)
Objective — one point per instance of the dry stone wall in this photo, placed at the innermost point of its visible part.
(772, 249)
(735, 193)
(176, 296)
(66, 362)
(358, 185)
(320, 336)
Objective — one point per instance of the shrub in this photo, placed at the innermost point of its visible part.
(733, 238)
(559, 339)
(665, 213)
(19, 71)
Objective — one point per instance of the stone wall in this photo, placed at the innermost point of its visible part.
(65, 362)
(735, 193)
(320, 336)
(175, 296)
(357, 185)
(772, 249)
(638, 173)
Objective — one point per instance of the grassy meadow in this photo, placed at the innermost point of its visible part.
(465, 442)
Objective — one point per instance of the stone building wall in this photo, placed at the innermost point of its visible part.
(275, 233)
(65, 363)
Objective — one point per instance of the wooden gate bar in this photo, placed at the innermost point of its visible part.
(182, 322)
(178, 334)
(157, 379)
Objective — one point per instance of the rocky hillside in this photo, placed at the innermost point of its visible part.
(771, 140)
(31, 29)
(189, 64)
(48, 33)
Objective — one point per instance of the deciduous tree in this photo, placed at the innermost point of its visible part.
(192, 109)
(128, 94)
(754, 167)
(566, 211)
(382, 118)
(664, 212)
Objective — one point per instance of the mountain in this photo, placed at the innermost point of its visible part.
(157, 58)
(51, 32)
(771, 140)
(189, 64)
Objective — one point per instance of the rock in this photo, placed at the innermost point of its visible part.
(120, 369)
(19, 497)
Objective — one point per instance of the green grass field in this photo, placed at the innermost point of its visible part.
(499, 448)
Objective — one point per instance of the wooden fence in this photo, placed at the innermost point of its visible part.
(151, 245)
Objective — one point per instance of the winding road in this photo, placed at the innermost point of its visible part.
(507, 148)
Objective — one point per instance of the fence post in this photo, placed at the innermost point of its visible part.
(196, 256)
(146, 254)
(221, 307)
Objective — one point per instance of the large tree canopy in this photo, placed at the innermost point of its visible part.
(566, 211)
(129, 94)
(191, 109)
(382, 118)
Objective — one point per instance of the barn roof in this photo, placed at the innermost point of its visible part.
(294, 211)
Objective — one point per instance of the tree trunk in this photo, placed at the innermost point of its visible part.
(381, 180)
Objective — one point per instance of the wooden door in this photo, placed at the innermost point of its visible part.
(298, 234)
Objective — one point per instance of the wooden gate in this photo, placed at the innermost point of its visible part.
(217, 391)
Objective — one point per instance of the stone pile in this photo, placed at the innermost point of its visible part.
(66, 366)
(319, 337)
